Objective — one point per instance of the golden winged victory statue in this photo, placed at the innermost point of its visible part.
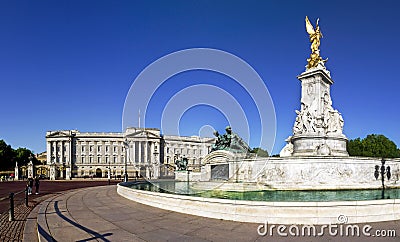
(315, 36)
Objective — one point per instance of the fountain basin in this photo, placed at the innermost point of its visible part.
(277, 212)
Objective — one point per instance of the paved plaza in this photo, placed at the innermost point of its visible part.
(13, 231)
(100, 214)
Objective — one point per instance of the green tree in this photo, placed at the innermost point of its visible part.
(354, 147)
(260, 152)
(22, 157)
(373, 145)
(7, 155)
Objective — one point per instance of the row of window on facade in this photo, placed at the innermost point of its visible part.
(115, 148)
(83, 159)
(183, 151)
(179, 150)
(83, 148)
(85, 167)
(107, 159)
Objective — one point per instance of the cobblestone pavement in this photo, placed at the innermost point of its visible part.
(13, 230)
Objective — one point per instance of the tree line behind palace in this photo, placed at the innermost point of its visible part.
(8, 157)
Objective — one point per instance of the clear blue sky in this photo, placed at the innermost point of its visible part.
(70, 64)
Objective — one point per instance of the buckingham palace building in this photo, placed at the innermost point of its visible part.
(140, 151)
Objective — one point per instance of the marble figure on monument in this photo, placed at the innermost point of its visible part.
(288, 149)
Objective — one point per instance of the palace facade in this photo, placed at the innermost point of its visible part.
(141, 151)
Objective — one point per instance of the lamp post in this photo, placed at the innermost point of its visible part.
(126, 160)
(109, 172)
(70, 166)
(383, 170)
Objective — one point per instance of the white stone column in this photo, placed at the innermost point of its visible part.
(79, 153)
(67, 153)
(133, 152)
(140, 152)
(62, 152)
(55, 152)
(68, 173)
(16, 172)
(156, 171)
(52, 171)
(146, 161)
(48, 148)
(103, 148)
(122, 153)
(151, 144)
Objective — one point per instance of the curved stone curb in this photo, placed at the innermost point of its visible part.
(43, 232)
(30, 228)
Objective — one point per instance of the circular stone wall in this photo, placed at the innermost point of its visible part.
(271, 212)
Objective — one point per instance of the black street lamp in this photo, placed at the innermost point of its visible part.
(383, 171)
(126, 160)
(109, 171)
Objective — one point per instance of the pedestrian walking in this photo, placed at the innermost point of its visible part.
(37, 183)
(29, 185)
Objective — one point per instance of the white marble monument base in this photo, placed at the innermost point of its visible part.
(316, 145)
(318, 173)
(299, 173)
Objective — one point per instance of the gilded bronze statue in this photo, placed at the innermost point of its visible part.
(315, 36)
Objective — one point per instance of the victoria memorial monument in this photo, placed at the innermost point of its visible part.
(315, 156)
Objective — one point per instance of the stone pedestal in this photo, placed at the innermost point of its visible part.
(52, 171)
(16, 172)
(318, 129)
(187, 175)
(221, 165)
(156, 171)
(315, 145)
(181, 175)
(61, 169)
(68, 173)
